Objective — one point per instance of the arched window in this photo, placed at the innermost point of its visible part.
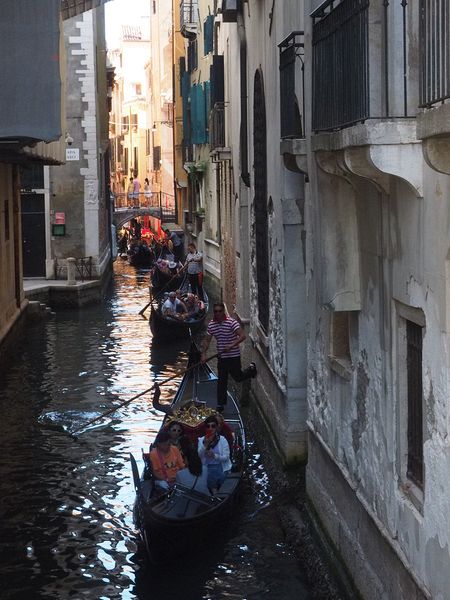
(260, 201)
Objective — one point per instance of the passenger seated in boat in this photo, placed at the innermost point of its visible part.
(173, 307)
(175, 430)
(166, 461)
(195, 475)
(224, 429)
(214, 452)
(163, 266)
(192, 307)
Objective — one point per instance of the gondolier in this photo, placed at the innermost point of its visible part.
(229, 334)
(194, 262)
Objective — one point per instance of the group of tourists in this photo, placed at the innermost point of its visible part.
(134, 190)
(197, 463)
(185, 309)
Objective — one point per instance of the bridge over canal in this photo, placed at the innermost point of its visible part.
(159, 205)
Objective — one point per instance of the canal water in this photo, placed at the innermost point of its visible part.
(66, 528)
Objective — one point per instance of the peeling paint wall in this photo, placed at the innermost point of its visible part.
(280, 352)
(361, 420)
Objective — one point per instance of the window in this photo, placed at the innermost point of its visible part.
(341, 323)
(260, 201)
(192, 55)
(290, 113)
(410, 428)
(156, 158)
(134, 123)
(7, 226)
(414, 338)
(138, 89)
(125, 124)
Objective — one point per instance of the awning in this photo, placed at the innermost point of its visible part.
(72, 8)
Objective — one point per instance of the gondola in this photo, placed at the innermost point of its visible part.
(141, 256)
(164, 281)
(171, 328)
(179, 522)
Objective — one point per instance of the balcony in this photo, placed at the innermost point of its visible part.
(364, 119)
(189, 18)
(433, 123)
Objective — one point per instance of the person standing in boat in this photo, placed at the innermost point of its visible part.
(194, 263)
(177, 244)
(166, 461)
(214, 453)
(229, 334)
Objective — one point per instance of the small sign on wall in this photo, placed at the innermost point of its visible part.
(60, 218)
(72, 154)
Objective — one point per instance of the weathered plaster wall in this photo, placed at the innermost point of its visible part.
(361, 421)
(280, 353)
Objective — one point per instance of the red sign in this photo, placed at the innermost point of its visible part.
(60, 218)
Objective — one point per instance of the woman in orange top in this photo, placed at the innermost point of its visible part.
(166, 461)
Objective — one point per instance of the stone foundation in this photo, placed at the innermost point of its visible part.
(376, 569)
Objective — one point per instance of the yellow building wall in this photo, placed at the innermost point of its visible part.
(11, 288)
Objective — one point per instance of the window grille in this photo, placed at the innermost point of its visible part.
(415, 402)
(434, 51)
(340, 64)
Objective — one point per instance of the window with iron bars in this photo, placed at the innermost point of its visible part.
(414, 336)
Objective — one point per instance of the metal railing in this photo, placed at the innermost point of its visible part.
(434, 35)
(217, 126)
(340, 65)
(162, 202)
(188, 17)
(83, 267)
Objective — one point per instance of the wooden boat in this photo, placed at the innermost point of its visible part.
(141, 256)
(170, 327)
(181, 521)
(163, 281)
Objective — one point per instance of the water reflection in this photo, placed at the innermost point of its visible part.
(66, 504)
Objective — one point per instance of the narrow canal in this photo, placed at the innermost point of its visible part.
(66, 528)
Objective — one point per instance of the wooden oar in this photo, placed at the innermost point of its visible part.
(141, 312)
(126, 402)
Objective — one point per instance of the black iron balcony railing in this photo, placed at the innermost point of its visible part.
(434, 51)
(340, 65)
(217, 126)
(189, 18)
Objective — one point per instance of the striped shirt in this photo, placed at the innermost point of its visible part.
(225, 333)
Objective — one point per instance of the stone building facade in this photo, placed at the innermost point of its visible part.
(378, 164)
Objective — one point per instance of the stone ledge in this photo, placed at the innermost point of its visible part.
(434, 122)
(371, 132)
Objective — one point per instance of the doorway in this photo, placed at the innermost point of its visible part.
(33, 234)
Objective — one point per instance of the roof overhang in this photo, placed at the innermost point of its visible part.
(72, 8)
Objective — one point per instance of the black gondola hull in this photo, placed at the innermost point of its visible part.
(182, 521)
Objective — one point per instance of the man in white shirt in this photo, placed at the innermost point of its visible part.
(194, 261)
(173, 307)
